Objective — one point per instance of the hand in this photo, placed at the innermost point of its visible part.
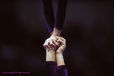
(59, 51)
(62, 44)
(51, 44)
(55, 43)
(54, 48)
(50, 48)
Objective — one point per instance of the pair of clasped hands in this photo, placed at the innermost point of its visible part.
(54, 47)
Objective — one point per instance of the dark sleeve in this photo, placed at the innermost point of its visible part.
(62, 71)
(60, 14)
(48, 14)
(52, 68)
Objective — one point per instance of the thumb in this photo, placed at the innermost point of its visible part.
(61, 47)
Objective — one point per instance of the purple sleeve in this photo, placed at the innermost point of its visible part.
(48, 13)
(60, 14)
(62, 71)
(52, 68)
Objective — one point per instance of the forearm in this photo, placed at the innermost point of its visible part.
(60, 59)
(50, 56)
(61, 69)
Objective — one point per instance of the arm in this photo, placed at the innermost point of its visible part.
(61, 69)
(58, 21)
(60, 14)
(50, 53)
(59, 45)
(48, 14)
(59, 52)
(50, 59)
(60, 17)
(54, 50)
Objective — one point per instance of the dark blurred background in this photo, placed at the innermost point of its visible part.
(88, 28)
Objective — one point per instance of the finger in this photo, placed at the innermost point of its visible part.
(46, 47)
(61, 39)
(62, 42)
(56, 43)
(46, 42)
(51, 45)
(53, 41)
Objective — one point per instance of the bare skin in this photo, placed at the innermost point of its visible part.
(56, 32)
(55, 46)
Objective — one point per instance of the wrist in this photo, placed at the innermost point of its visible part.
(59, 53)
(60, 59)
(56, 32)
(50, 56)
